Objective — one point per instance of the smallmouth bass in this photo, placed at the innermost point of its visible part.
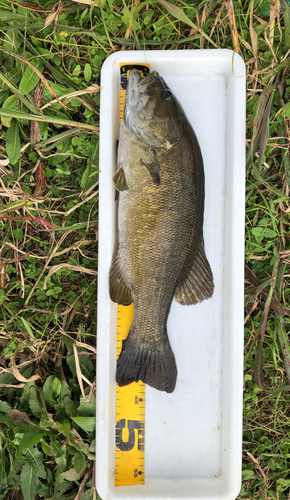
(161, 255)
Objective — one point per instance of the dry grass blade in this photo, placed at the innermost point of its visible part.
(274, 10)
(53, 16)
(258, 467)
(92, 89)
(79, 269)
(19, 386)
(86, 2)
(83, 484)
(40, 180)
(128, 33)
(79, 372)
(265, 129)
(254, 41)
(86, 346)
(81, 203)
(263, 99)
(35, 129)
(18, 375)
(234, 33)
(49, 119)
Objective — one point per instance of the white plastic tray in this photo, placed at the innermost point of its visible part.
(193, 437)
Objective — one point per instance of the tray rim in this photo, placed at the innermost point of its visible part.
(102, 472)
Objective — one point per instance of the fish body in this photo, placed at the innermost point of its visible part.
(161, 253)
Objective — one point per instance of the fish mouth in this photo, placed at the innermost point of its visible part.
(147, 84)
(134, 77)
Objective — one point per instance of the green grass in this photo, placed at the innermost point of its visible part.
(49, 230)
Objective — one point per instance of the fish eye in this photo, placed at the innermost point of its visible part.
(166, 94)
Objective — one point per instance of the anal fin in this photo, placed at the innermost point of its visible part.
(198, 284)
(119, 289)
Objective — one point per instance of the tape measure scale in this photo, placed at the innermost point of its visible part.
(130, 400)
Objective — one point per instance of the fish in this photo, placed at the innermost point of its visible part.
(160, 253)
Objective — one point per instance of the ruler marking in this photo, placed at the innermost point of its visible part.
(130, 400)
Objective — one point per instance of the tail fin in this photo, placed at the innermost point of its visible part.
(153, 363)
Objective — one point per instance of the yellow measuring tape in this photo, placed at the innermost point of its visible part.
(130, 400)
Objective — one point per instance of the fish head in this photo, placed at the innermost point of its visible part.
(152, 113)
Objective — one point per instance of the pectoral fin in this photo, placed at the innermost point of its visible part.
(153, 168)
(197, 285)
(120, 180)
(119, 289)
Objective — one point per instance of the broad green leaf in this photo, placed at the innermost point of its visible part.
(93, 446)
(34, 402)
(34, 458)
(88, 409)
(59, 450)
(269, 233)
(78, 444)
(22, 421)
(45, 53)
(47, 449)
(88, 424)
(55, 388)
(30, 439)
(72, 475)
(79, 462)
(4, 406)
(59, 490)
(247, 474)
(24, 398)
(61, 464)
(13, 142)
(65, 393)
(47, 389)
(286, 110)
(87, 72)
(72, 409)
(77, 70)
(64, 424)
(258, 232)
(90, 176)
(3, 474)
(45, 491)
(9, 103)
(29, 482)
(30, 79)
